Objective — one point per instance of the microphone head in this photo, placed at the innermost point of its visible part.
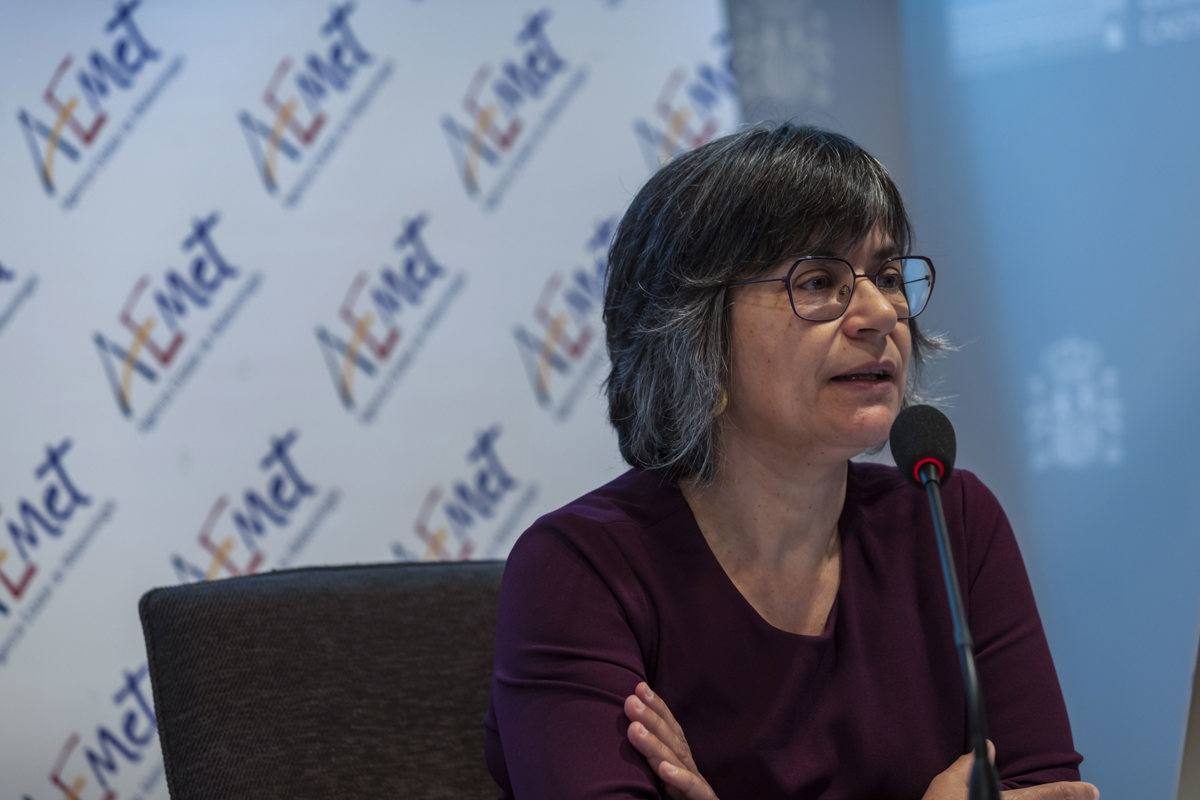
(921, 435)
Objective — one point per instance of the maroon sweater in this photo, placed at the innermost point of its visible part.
(620, 586)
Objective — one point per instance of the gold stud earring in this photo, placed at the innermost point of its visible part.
(722, 404)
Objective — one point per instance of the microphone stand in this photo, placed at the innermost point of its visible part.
(985, 784)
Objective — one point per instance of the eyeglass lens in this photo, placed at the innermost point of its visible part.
(821, 288)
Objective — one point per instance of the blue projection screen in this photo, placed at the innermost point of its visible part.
(1054, 166)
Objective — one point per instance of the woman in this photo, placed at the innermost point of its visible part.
(785, 604)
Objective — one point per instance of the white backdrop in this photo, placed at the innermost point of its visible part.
(289, 283)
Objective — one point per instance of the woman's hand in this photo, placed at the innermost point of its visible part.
(952, 785)
(655, 734)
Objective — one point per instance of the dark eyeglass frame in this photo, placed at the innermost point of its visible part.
(787, 281)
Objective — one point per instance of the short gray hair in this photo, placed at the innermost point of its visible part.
(727, 211)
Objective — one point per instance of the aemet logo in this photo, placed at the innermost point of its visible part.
(309, 104)
(561, 346)
(693, 107)
(47, 529)
(158, 341)
(509, 104)
(264, 514)
(89, 762)
(384, 319)
(91, 104)
(476, 514)
(15, 290)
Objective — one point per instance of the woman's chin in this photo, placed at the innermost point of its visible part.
(871, 427)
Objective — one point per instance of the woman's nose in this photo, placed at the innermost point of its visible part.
(869, 310)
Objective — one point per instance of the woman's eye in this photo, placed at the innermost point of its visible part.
(889, 279)
(814, 282)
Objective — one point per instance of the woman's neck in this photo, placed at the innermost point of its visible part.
(768, 510)
(773, 528)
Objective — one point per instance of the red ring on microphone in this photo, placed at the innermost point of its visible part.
(928, 460)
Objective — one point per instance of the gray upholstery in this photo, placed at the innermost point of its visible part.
(326, 682)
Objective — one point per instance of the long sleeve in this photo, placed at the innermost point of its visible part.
(566, 659)
(1027, 718)
(621, 586)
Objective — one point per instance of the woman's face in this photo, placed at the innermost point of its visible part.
(816, 389)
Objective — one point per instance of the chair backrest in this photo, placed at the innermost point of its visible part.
(357, 681)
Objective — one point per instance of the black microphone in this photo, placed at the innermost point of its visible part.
(923, 445)
(922, 438)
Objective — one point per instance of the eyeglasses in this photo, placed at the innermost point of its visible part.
(820, 287)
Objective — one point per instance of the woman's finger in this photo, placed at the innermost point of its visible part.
(681, 781)
(644, 693)
(648, 708)
(688, 784)
(653, 749)
(1060, 790)
(655, 726)
(654, 732)
(951, 783)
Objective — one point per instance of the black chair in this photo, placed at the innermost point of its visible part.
(325, 682)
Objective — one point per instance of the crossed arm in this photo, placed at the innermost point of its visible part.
(579, 630)
(655, 734)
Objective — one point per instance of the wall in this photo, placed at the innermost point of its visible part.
(288, 283)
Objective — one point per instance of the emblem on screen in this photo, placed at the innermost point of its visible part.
(1076, 416)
